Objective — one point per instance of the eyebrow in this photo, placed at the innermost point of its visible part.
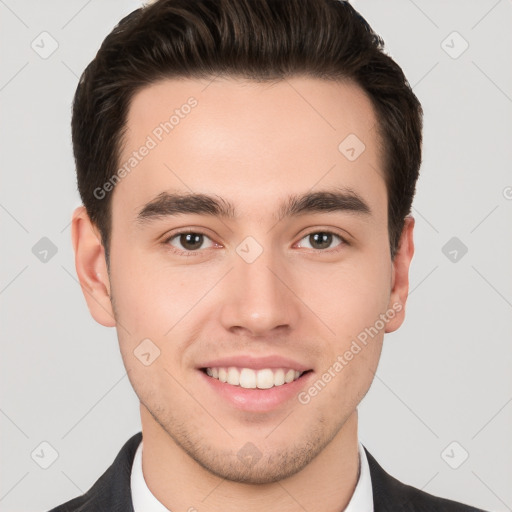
(168, 204)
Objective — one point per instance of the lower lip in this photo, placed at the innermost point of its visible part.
(257, 400)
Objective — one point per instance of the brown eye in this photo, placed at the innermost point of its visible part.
(189, 241)
(321, 240)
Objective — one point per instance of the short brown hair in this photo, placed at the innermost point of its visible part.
(262, 40)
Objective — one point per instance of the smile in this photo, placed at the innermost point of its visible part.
(248, 378)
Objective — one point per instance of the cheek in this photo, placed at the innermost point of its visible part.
(352, 355)
(155, 305)
(352, 296)
(353, 299)
(344, 380)
(150, 296)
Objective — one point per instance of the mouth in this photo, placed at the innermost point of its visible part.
(249, 378)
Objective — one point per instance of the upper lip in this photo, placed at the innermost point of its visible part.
(256, 363)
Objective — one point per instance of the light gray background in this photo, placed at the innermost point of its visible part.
(443, 377)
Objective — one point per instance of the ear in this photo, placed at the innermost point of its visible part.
(400, 275)
(91, 267)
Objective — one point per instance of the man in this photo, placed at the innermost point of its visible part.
(247, 169)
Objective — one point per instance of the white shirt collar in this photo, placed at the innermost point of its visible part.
(144, 500)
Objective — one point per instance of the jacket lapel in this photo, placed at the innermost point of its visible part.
(112, 491)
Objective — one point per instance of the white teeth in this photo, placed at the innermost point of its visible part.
(264, 379)
(250, 379)
(290, 375)
(233, 376)
(279, 377)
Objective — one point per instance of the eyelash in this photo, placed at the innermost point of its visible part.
(200, 251)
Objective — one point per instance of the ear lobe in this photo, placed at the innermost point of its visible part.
(400, 275)
(91, 267)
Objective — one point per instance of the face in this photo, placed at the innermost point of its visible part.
(269, 277)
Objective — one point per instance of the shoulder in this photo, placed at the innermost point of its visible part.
(389, 494)
(112, 490)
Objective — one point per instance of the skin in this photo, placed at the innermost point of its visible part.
(252, 144)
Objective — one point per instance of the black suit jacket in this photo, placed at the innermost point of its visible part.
(112, 492)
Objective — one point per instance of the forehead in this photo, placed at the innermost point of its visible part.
(249, 141)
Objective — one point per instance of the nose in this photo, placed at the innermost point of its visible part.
(258, 298)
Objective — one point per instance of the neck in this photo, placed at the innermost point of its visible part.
(180, 483)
